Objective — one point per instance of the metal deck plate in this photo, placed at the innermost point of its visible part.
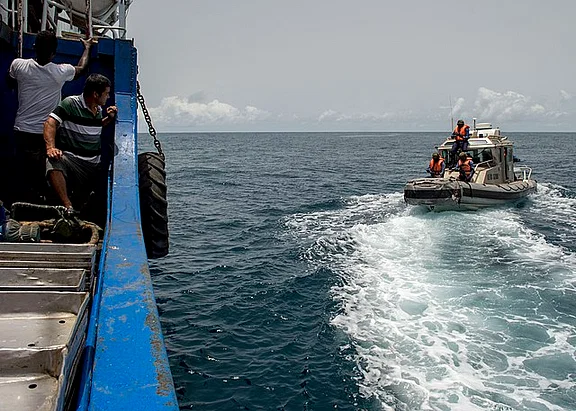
(29, 379)
(41, 337)
(36, 330)
(40, 320)
(46, 255)
(47, 247)
(14, 303)
(42, 279)
(30, 392)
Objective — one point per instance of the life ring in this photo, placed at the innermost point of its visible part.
(153, 203)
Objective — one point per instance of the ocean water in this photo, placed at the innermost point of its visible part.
(298, 279)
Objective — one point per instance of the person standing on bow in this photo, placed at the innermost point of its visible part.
(436, 167)
(465, 166)
(461, 134)
(39, 82)
(72, 135)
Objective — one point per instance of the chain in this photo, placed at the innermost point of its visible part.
(20, 27)
(88, 19)
(151, 129)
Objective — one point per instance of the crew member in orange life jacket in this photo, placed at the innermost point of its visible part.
(436, 167)
(461, 133)
(466, 167)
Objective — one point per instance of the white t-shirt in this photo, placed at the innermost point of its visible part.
(39, 91)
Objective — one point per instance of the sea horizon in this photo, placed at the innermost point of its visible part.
(336, 131)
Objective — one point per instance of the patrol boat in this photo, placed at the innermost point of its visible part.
(79, 326)
(496, 179)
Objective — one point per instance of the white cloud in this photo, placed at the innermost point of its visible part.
(179, 111)
(328, 115)
(508, 109)
(509, 106)
(564, 95)
(335, 116)
(458, 106)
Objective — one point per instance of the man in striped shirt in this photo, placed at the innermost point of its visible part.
(39, 82)
(72, 136)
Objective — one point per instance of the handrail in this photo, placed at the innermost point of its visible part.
(87, 361)
(92, 22)
(6, 9)
(22, 24)
(131, 369)
(525, 170)
(89, 18)
(487, 162)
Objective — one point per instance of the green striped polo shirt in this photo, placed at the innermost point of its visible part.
(80, 129)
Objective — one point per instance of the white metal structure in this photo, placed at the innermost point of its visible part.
(93, 17)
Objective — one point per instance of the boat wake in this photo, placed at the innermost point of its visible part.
(452, 310)
(554, 214)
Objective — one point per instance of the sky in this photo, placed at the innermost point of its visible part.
(362, 65)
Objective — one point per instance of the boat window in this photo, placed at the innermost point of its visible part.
(485, 155)
(478, 142)
(477, 155)
(474, 155)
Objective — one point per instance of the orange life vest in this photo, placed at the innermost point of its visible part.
(461, 132)
(465, 166)
(436, 167)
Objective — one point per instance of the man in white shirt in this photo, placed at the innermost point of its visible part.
(39, 91)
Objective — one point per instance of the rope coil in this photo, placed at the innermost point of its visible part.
(42, 223)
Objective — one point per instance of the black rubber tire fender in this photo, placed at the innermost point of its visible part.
(153, 203)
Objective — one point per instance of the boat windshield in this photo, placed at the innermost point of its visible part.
(478, 141)
(478, 155)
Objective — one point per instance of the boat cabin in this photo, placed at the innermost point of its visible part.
(491, 153)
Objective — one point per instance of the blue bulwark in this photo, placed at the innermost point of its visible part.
(130, 370)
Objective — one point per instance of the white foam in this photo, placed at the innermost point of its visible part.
(446, 310)
(555, 209)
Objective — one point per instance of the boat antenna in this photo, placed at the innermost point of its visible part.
(451, 114)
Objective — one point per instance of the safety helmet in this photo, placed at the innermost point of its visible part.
(460, 122)
(435, 155)
(462, 155)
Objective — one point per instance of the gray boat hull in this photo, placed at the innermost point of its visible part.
(451, 194)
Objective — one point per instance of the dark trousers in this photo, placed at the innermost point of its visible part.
(30, 167)
(463, 177)
(461, 145)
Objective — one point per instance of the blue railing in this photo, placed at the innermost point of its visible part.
(130, 368)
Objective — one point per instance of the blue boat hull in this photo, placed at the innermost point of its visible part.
(124, 361)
